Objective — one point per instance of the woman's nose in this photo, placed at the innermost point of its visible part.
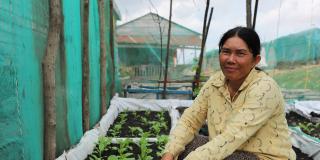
(231, 58)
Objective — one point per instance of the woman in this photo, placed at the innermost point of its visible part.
(243, 107)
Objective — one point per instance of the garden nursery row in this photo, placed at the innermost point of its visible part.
(139, 129)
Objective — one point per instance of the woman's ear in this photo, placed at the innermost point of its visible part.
(257, 59)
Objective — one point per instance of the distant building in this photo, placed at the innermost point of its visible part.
(141, 41)
(141, 37)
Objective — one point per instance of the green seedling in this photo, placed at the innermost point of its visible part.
(123, 150)
(155, 127)
(161, 142)
(136, 130)
(123, 117)
(144, 120)
(307, 127)
(102, 143)
(115, 130)
(144, 147)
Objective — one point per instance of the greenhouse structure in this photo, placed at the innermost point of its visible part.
(112, 80)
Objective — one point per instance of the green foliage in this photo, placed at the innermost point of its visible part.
(123, 150)
(161, 142)
(113, 157)
(144, 120)
(102, 143)
(115, 130)
(94, 157)
(307, 127)
(136, 130)
(145, 151)
(196, 91)
(117, 127)
(123, 117)
(156, 126)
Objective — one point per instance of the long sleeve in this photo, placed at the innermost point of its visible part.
(260, 103)
(189, 123)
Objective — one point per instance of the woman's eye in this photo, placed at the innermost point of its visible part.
(225, 52)
(241, 54)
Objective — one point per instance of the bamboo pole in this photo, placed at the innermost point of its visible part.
(205, 31)
(167, 55)
(255, 14)
(85, 69)
(49, 86)
(103, 56)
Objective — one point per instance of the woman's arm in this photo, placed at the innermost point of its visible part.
(189, 123)
(167, 156)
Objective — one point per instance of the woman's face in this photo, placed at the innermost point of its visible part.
(236, 59)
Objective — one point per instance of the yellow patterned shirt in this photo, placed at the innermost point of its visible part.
(254, 121)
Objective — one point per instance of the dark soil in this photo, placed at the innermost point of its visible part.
(133, 148)
(295, 119)
(144, 120)
(314, 114)
(181, 109)
(300, 155)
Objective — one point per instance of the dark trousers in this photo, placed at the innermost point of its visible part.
(200, 140)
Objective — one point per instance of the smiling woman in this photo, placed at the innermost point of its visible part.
(242, 106)
(236, 59)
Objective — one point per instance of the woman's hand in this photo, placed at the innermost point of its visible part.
(167, 156)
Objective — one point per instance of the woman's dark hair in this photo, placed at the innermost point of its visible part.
(248, 35)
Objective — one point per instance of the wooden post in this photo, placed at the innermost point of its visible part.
(85, 69)
(112, 48)
(49, 86)
(167, 56)
(103, 56)
(248, 11)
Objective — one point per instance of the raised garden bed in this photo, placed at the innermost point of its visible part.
(134, 123)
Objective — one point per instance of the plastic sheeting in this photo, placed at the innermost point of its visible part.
(307, 144)
(118, 105)
(305, 108)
